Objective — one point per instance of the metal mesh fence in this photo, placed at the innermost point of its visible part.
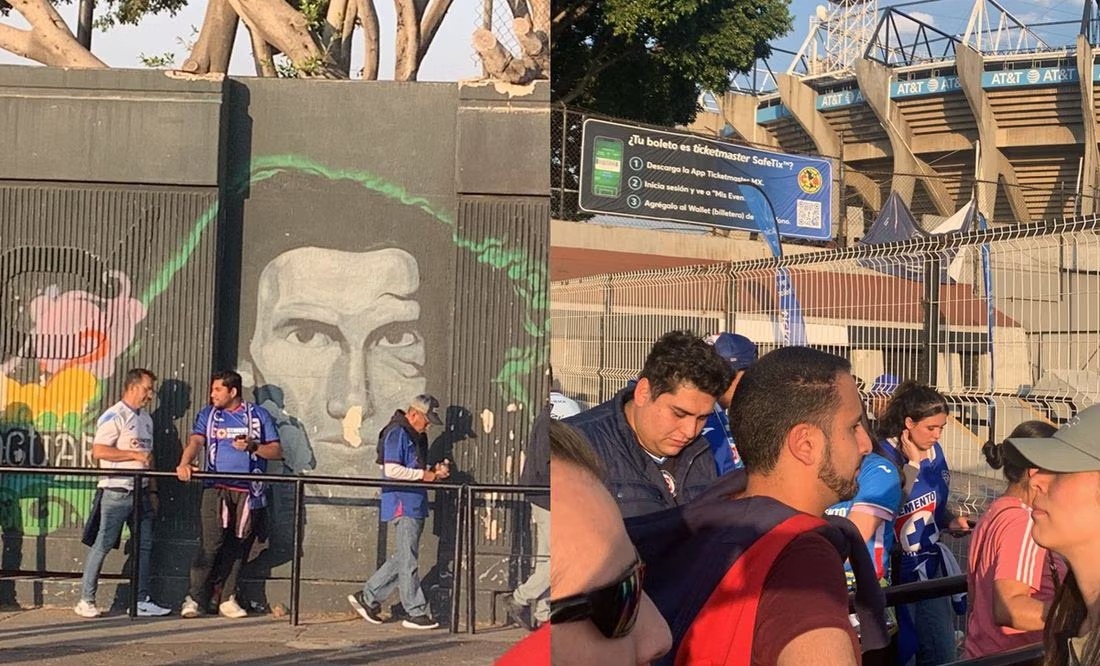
(497, 16)
(1005, 323)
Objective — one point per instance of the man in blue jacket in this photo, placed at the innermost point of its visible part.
(648, 434)
(403, 452)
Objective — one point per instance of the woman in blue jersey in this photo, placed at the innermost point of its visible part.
(873, 511)
(911, 429)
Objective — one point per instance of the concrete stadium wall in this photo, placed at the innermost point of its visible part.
(344, 246)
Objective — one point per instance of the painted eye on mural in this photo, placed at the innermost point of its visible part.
(397, 335)
(310, 334)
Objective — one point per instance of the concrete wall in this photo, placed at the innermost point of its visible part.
(339, 244)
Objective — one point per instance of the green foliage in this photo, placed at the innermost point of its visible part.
(110, 13)
(648, 60)
(166, 59)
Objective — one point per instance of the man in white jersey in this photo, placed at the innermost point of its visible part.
(123, 440)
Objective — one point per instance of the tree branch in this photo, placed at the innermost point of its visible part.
(500, 63)
(214, 47)
(17, 41)
(407, 41)
(335, 35)
(286, 29)
(262, 56)
(51, 41)
(429, 24)
(368, 17)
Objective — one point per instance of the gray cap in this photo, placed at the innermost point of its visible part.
(426, 404)
(1075, 447)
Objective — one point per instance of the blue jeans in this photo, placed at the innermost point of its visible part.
(401, 569)
(935, 620)
(114, 510)
(535, 591)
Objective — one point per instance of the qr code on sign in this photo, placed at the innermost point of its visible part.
(809, 214)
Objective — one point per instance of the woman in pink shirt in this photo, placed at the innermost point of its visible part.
(1010, 582)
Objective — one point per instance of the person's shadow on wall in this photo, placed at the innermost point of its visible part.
(274, 546)
(18, 433)
(458, 428)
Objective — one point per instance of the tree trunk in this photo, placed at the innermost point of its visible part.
(534, 44)
(369, 18)
(214, 47)
(499, 63)
(287, 30)
(430, 24)
(49, 40)
(336, 36)
(407, 43)
(263, 56)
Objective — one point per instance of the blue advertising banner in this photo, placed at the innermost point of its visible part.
(838, 99)
(653, 174)
(937, 85)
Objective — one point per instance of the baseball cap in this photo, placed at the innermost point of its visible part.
(739, 351)
(885, 383)
(1075, 447)
(426, 404)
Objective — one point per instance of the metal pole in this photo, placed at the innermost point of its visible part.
(296, 560)
(84, 23)
(931, 317)
(135, 547)
(458, 564)
(471, 559)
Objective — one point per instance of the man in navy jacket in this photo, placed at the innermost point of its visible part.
(648, 434)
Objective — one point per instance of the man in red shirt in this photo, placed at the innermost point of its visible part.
(759, 579)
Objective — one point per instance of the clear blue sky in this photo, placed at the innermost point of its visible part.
(450, 58)
(951, 16)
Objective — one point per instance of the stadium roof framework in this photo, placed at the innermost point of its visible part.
(998, 110)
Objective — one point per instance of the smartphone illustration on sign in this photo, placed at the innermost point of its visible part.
(607, 167)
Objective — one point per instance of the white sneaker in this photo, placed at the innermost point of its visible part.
(149, 608)
(190, 607)
(231, 609)
(87, 609)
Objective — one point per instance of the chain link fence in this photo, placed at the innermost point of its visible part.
(497, 16)
(1005, 323)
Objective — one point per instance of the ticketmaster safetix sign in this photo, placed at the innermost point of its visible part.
(653, 174)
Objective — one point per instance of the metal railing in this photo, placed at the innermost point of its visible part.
(464, 548)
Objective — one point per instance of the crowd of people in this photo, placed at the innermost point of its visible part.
(234, 436)
(722, 508)
(755, 538)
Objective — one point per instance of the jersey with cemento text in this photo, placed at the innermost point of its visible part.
(220, 427)
(921, 518)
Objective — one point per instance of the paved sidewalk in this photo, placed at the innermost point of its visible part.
(58, 636)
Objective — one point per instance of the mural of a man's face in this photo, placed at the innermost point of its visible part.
(339, 333)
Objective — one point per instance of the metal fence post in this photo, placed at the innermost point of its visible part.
(932, 341)
(459, 565)
(471, 560)
(135, 544)
(296, 560)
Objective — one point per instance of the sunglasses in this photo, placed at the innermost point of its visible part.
(613, 609)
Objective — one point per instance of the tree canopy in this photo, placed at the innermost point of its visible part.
(648, 60)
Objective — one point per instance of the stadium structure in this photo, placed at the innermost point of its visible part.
(994, 111)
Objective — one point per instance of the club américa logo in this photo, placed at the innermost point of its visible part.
(810, 180)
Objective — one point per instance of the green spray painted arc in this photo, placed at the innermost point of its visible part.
(529, 278)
